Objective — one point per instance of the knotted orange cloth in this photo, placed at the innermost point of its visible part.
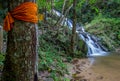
(26, 12)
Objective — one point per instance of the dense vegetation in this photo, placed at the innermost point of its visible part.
(106, 24)
(107, 29)
(99, 17)
(101, 14)
(54, 50)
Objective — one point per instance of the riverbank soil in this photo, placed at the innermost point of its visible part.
(84, 70)
(80, 70)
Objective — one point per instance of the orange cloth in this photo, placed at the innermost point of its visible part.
(26, 12)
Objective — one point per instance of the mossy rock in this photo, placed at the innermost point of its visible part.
(81, 48)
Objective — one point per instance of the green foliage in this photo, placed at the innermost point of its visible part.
(51, 60)
(108, 29)
(58, 4)
(109, 8)
(58, 78)
(55, 49)
(43, 5)
(80, 3)
(92, 1)
(87, 10)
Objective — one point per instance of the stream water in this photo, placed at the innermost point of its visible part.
(107, 66)
(94, 46)
(104, 63)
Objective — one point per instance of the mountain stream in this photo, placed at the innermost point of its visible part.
(102, 62)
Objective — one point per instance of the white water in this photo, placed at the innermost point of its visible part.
(94, 47)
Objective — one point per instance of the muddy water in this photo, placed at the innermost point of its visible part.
(107, 66)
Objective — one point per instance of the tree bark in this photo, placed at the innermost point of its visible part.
(73, 37)
(21, 55)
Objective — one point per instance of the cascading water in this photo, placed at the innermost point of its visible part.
(94, 47)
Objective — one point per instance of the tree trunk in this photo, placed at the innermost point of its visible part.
(21, 55)
(73, 29)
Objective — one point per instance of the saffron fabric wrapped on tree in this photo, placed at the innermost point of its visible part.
(26, 12)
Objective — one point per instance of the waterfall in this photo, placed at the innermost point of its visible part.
(92, 42)
(94, 47)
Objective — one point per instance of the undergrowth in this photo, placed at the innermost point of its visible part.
(107, 29)
(51, 60)
(54, 51)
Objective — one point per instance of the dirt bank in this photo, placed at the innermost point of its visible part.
(81, 70)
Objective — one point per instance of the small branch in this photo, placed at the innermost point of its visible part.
(63, 15)
(63, 8)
